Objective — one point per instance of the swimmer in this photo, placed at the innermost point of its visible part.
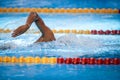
(47, 34)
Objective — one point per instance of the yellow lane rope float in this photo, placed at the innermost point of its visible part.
(61, 10)
(29, 59)
(59, 60)
(100, 32)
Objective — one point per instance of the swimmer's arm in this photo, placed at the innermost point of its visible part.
(40, 24)
(20, 30)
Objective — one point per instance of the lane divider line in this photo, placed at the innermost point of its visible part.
(60, 60)
(94, 32)
(61, 10)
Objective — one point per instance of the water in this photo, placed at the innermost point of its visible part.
(66, 45)
(61, 3)
(51, 72)
(64, 21)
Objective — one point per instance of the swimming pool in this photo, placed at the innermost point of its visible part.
(99, 46)
(67, 45)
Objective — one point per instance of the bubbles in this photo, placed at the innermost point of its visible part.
(69, 45)
(66, 45)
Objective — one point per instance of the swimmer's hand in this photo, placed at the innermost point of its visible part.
(20, 30)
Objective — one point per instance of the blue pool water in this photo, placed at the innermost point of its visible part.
(61, 3)
(66, 45)
(58, 72)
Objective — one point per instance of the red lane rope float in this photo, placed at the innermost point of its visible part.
(99, 61)
(60, 60)
(107, 32)
(94, 32)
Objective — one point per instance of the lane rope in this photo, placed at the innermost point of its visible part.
(60, 60)
(94, 32)
(61, 10)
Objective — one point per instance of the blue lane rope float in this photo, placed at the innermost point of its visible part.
(61, 10)
(60, 60)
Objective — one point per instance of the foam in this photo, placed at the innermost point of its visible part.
(69, 45)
